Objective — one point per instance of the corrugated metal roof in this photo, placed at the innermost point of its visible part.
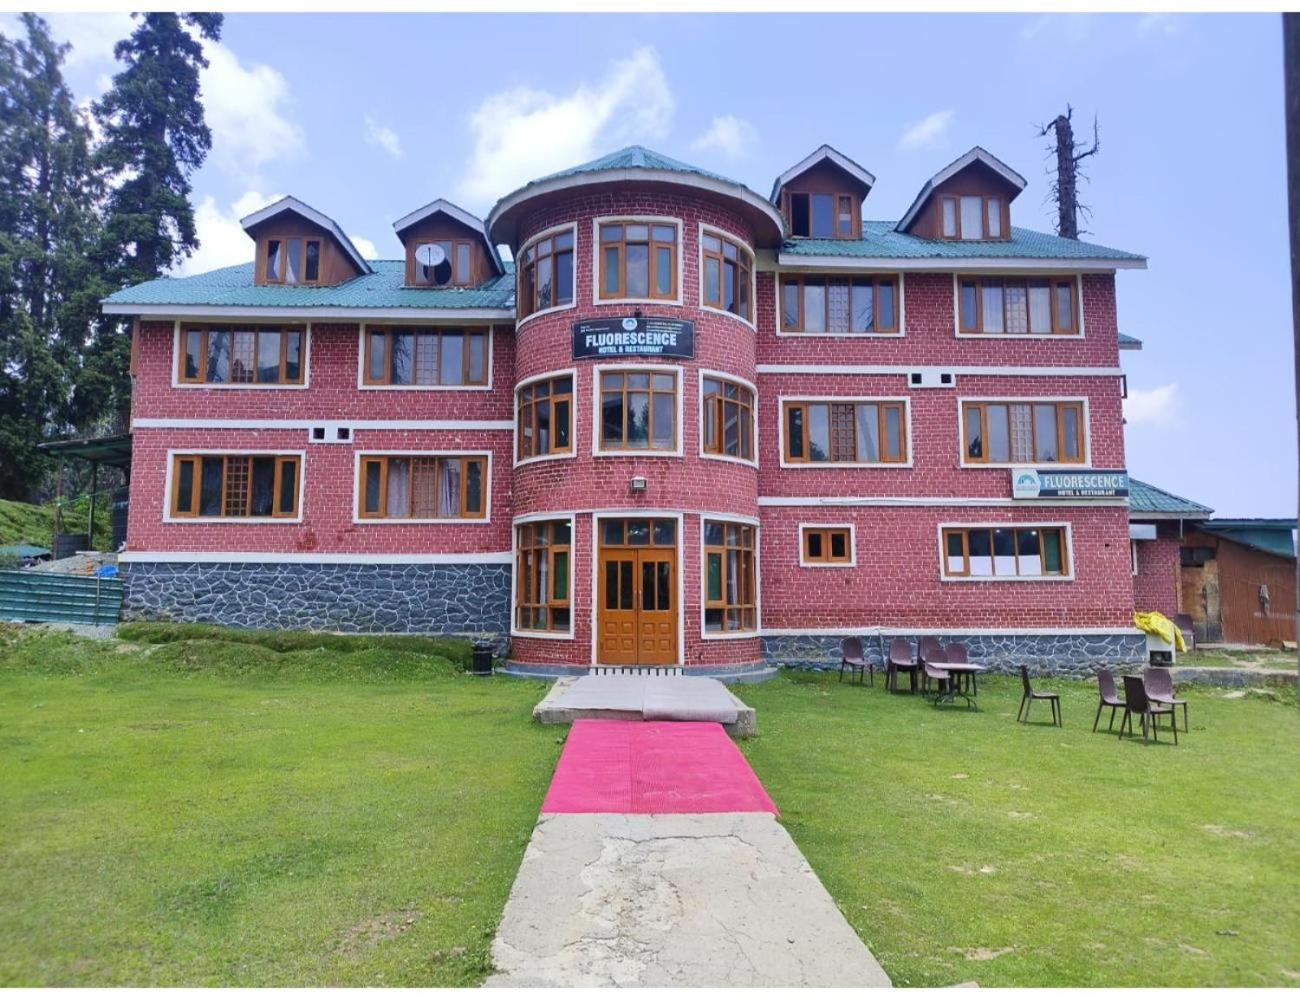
(383, 289)
(1143, 498)
(1272, 535)
(880, 239)
(1127, 343)
(633, 158)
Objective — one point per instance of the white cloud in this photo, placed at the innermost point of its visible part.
(522, 133)
(1068, 28)
(383, 137)
(730, 135)
(222, 240)
(1157, 407)
(928, 132)
(364, 246)
(1161, 23)
(92, 36)
(245, 110)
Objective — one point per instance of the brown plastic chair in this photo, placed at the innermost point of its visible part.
(1107, 697)
(945, 686)
(1031, 696)
(1159, 684)
(851, 656)
(1186, 626)
(955, 652)
(1136, 702)
(929, 651)
(900, 658)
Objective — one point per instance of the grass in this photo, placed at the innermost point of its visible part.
(211, 811)
(1255, 656)
(24, 522)
(963, 846)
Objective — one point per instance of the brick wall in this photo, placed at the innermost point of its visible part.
(1155, 586)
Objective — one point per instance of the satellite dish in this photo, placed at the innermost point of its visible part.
(430, 254)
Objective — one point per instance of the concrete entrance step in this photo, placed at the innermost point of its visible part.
(646, 698)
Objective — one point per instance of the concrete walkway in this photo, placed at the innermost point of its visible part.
(708, 898)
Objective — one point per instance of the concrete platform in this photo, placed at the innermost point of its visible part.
(725, 899)
(729, 673)
(639, 698)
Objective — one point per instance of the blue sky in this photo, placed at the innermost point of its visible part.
(369, 116)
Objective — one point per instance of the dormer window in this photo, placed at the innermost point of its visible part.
(971, 217)
(822, 216)
(292, 261)
(443, 263)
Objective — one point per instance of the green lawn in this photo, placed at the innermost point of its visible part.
(963, 846)
(217, 813)
(1255, 656)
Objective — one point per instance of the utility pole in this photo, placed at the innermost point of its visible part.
(1291, 72)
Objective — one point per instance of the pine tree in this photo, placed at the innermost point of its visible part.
(49, 289)
(154, 138)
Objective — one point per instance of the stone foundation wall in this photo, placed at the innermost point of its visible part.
(1060, 655)
(440, 599)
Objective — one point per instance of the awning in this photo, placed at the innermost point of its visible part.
(114, 451)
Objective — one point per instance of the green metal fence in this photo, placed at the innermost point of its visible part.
(59, 597)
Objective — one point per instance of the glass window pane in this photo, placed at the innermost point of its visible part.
(370, 505)
(663, 271)
(637, 232)
(1004, 552)
(638, 532)
(972, 225)
(712, 532)
(662, 436)
(790, 305)
(863, 318)
(1064, 306)
(974, 441)
(293, 357)
(813, 542)
(184, 486)
(837, 306)
(477, 358)
(560, 578)
(839, 545)
(665, 234)
(992, 307)
(711, 243)
(268, 356)
(1053, 561)
(665, 532)
(564, 278)
(1070, 432)
(313, 261)
(210, 486)
(956, 560)
(969, 306)
(611, 419)
(544, 290)
(995, 218)
(378, 357)
(950, 218)
(981, 552)
(399, 488)
(263, 489)
(451, 363)
(1045, 433)
(293, 262)
(462, 263)
(713, 577)
(1028, 554)
(288, 486)
(219, 355)
(999, 431)
(638, 271)
(611, 532)
(273, 260)
(819, 433)
(1040, 306)
(885, 315)
(1017, 308)
(193, 349)
(729, 286)
(823, 216)
(449, 473)
(845, 218)
(712, 281)
(868, 432)
(893, 433)
(473, 487)
(611, 233)
(800, 224)
(814, 306)
(794, 431)
(638, 419)
(610, 275)
(402, 364)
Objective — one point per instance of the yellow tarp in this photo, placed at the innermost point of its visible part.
(1154, 623)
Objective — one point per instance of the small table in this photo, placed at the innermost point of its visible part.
(959, 674)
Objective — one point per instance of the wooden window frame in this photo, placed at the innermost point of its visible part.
(457, 280)
(800, 282)
(283, 240)
(744, 264)
(388, 331)
(984, 237)
(526, 416)
(382, 459)
(526, 290)
(1054, 284)
(824, 532)
(714, 403)
(195, 459)
(804, 461)
(963, 532)
(787, 210)
(604, 447)
(746, 609)
(978, 408)
(527, 583)
(620, 294)
(205, 330)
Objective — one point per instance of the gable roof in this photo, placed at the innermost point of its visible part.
(822, 152)
(1267, 534)
(1147, 501)
(1127, 343)
(291, 204)
(977, 155)
(441, 206)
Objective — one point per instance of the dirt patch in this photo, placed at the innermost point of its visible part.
(370, 933)
(1019, 815)
(1223, 831)
(1191, 949)
(985, 954)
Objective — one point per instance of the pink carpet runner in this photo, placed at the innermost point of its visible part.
(653, 767)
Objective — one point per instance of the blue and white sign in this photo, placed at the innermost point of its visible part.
(1046, 484)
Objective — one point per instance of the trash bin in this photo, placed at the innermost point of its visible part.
(482, 665)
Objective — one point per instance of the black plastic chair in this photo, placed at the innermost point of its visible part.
(1107, 697)
(852, 656)
(1136, 702)
(1031, 696)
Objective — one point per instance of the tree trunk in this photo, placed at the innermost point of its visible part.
(1291, 71)
(1067, 198)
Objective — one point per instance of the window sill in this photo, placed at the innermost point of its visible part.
(896, 335)
(264, 386)
(1005, 579)
(517, 633)
(423, 388)
(525, 320)
(168, 519)
(534, 459)
(831, 466)
(750, 462)
(638, 453)
(730, 315)
(638, 302)
(712, 636)
(1018, 336)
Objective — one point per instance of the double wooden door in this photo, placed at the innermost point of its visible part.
(636, 609)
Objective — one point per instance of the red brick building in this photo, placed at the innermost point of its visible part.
(687, 424)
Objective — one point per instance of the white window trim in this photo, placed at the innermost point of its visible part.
(780, 431)
(597, 222)
(426, 328)
(757, 630)
(617, 514)
(571, 517)
(596, 395)
(545, 234)
(1077, 277)
(745, 383)
(358, 455)
(965, 463)
(300, 454)
(573, 420)
(1065, 527)
(265, 386)
(853, 546)
(722, 234)
(901, 297)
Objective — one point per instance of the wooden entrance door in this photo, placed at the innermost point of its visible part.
(636, 597)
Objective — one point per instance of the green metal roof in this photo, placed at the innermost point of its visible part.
(1127, 343)
(383, 289)
(1143, 498)
(1271, 535)
(634, 158)
(880, 239)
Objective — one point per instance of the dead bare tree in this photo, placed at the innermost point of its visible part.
(1065, 186)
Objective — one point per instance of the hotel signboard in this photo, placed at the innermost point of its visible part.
(632, 336)
(1087, 484)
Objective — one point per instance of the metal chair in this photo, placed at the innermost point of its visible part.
(1107, 697)
(1159, 684)
(1136, 702)
(852, 656)
(1031, 696)
(900, 658)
